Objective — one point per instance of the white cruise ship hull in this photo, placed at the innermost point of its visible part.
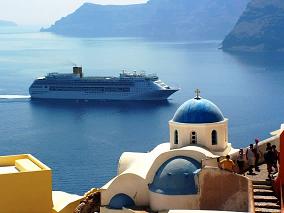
(69, 95)
(128, 86)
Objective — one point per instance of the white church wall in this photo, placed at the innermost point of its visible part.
(203, 135)
(108, 210)
(127, 159)
(160, 202)
(129, 184)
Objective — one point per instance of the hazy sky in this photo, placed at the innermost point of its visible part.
(46, 12)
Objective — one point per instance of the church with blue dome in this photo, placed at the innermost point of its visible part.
(199, 122)
(181, 174)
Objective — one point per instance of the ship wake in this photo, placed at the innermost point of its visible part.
(4, 98)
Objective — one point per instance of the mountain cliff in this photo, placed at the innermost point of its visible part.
(186, 19)
(260, 28)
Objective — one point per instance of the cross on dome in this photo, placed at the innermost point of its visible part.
(197, 91)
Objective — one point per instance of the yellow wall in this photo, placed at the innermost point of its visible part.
(28, 191)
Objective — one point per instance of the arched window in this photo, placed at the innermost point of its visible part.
(176, 137)
(193, 136)
(214, 137)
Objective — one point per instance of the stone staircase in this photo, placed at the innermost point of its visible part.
(264, 198)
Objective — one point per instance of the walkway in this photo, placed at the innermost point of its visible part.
(264, 197)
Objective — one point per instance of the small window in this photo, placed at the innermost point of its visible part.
(176, 137)
(193, 137)
(214, 137)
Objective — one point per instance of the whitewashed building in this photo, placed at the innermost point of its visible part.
(172, 176)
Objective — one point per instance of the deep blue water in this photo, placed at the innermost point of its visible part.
(82, 142)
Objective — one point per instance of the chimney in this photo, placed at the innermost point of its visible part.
(78, 71)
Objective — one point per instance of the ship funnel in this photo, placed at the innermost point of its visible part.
(78, 71)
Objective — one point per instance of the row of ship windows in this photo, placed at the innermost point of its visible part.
(193, 137)
(91, 89)
(85, 83)
(38, 87)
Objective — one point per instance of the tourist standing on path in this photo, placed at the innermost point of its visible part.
(257, 154)
(268, 146)
(269, 159)
(275, 158)
(250, 155)
(241, 161)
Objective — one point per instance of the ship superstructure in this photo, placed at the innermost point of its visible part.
(128, 86)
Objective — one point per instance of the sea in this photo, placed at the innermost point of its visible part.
(82, 141)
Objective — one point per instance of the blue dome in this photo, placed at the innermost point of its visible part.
(121, 200)
(198, 110)
(176, 177)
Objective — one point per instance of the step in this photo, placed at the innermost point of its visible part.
(262, 187)
(263, 192)
(260, 198)
(140, 211)
(267, 205)
(263, 210)
(261, 182)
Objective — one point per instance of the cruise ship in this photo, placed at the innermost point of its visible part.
(127, 86)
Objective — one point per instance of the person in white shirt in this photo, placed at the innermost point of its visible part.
(257, 154)
(250, 155)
